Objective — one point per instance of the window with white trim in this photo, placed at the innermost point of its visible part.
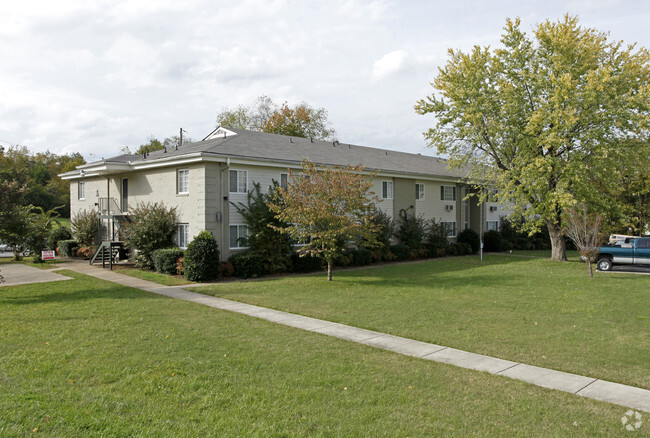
(284, 180)
(387, 189)
(492, 226)
(238, 181)
(183, 235)
(419, 191)
(450, 228)
(183, 182)
(237, 232)
(81, 190)
(447, 193)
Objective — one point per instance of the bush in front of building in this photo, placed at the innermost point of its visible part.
(361, 257)
(56, 235)
(84, 227)
(247, 264)
(401, 251)
(306, 263)
(471, 238)
(67, 247)
(436, 240)
(412, 231)
(166, 259)
(152, 226)
(201, 259)
(492, 241)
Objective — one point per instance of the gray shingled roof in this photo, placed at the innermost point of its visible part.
(263, 146)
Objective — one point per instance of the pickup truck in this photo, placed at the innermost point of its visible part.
(637, 252)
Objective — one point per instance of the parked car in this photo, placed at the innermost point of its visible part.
(637, 252)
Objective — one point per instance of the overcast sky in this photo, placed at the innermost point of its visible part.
(95, 76)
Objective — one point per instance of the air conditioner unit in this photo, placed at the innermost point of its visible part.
(449, 207)
(493, 209)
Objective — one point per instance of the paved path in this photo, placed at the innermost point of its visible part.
(589, 387)
(17, 273)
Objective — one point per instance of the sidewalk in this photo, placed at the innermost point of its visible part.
(624, 395)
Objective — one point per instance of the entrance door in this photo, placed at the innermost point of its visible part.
(125, 195)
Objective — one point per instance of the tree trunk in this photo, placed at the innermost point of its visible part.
(591, 269)
(558, 245)
(329, 270)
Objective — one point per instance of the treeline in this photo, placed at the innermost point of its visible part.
(38, 173)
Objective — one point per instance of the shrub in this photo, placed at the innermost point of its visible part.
(385, 228)
(470, 238)
(201, 259)
(84, 227)
(152, 226)
(436, 237)
(247, 264)
(57, 234)
(165, 259)
(86, 251)
(452, 250)
(463, 248)
(67, 247)
(273, 246)
(306, 262)
(180, 266)
(361, 257)
(227, 269)
(412, 231)
(401, 251)
(492, 241)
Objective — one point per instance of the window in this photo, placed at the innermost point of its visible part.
(125, 195)
(238, 181)
(450, 227)
(419, 191)
(447, 193)
(284, 180)
(81, 190)
(183, 235)
(236, 233)
(183, 182)
(492, 226)
(387, 189)
(643, 243)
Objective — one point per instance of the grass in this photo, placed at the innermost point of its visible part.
(91, 358)
(47, 264)
(527, 310)
(155, 277)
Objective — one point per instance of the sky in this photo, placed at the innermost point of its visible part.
(95, 76)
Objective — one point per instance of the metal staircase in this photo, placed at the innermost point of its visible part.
(108, 252)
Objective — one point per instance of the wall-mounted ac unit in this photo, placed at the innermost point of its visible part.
(449, 207)
(493, 209)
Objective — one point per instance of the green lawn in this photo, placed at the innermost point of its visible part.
(156, 277)
(91, 358)
(527, 310)
(47, 264)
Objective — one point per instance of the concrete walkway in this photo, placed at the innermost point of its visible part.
(624, 395)
(17, 273)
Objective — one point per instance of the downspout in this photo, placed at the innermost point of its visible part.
(225, 218)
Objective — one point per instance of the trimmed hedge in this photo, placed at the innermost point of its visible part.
(201, 259)
(361, 257)
(67, 247)
(471, 238)
(401, 251)
(56, 235)
(306, 263)
(492, 241)
(165, 260)
(247, 264)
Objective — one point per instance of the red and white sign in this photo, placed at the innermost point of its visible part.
(47, 255)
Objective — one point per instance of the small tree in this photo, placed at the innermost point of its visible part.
(201, 259)
(583, 228)
(327, 205)
(412, 231)
(84, 227)
(39, 224)
(264, 239)
(152, 227)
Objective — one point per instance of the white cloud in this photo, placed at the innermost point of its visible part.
(388, 65)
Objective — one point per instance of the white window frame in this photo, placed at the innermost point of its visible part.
(450, 226)
(183, 181)
(494, 228)
(237, 227)
(241, 176)
(419, 191)
(385, 192)
(284, 184)
(81, 190)
(183, 235)
(448, 193)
